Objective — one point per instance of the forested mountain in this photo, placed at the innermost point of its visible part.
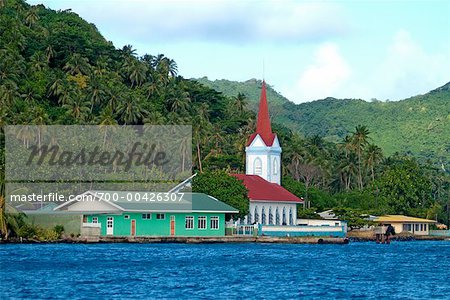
(55, 68)
(419, 125)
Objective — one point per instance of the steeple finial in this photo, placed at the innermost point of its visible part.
(264, 71)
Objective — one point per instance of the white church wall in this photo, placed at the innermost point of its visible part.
(264, 207)
(268, 155)
(251, 164)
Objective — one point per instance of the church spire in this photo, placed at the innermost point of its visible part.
(263, 127)
(263, 151)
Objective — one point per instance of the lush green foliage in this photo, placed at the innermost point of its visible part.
(224, 187)
(418, 125)
(55, 68)
(353, 217)
(307, 213)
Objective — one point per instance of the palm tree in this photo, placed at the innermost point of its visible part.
(128, 50)
(183, 148)
(165, 69)
(171, 66)
(156, 60)
(114, 96)
(135, 71)
(360, 139)
(347, 169)
(56, 88)
(155, 118)
(60, 89)
(105, 120)
(217, 139)
(200, 127)
(77, 106)
(3, 225)
(240, 103)
(8, 92)
(27, 134)
(38, 61)
(29, 95)
(49, 52)
(101, 66)
(347, 145)
(374, 155)
(77, 64)
(131, 111)
(179, 101)
(12, 64)
(95, 91)
(151, 87)
(40, 117)
(31, 17)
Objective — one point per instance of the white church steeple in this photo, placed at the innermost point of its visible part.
(263, 151)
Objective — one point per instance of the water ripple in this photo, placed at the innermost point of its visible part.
(406, 270)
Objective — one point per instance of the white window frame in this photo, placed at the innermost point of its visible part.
(257, 166)
(158, 215)
(126, 217)
(202, 220)
(189, 220)
(214, 220)
(147, 216)
(275, 166)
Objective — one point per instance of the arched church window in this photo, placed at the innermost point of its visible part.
(275, 166)
(277, 217)
(270, 216)
(263, 216)
(256, 215)
(257, 166)
(291, 217)
(284, 216)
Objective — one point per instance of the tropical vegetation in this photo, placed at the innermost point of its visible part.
(55, 68)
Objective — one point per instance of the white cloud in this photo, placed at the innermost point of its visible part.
(406, 69)
(233, 22)
(324, 77)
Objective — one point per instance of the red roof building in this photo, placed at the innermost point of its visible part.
(260, 189)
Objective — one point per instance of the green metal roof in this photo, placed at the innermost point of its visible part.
(185, 202)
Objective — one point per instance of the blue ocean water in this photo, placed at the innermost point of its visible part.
(401, 270)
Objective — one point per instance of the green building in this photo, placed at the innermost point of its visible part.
(118, 213)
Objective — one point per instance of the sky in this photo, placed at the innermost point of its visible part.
(306, 50)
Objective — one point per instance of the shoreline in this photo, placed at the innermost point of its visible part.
(187, 240)
(221, 240)
(356, 237)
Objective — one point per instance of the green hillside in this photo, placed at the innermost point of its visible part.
(419, 125)
(57, 69)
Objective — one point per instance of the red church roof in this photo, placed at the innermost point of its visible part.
(260, 189)
(263, 127)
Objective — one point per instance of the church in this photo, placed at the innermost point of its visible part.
(270, 203)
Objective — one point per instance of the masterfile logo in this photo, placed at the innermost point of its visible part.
(69, 160)
(97, 153)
